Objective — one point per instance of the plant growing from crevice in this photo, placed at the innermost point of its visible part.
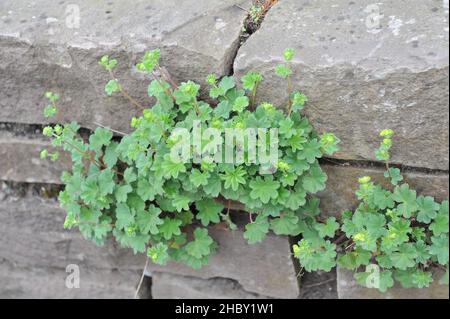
(255, 16)
(132, 189)
(393, 235)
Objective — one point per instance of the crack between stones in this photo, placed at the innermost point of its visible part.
(20, 266)
(22, 190)
(32, 130)
(232, 282)
(144, 291)
(244, 35)
(368, 164)
(296, 263)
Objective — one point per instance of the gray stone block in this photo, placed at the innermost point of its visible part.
(20, 160)
(348, 288)
(362, 72)
(33, 236)
(266, 268)
(170, 286)
(47, 46)
(18, 282)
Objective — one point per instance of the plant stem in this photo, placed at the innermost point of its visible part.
(167, 91)
(319, 283)
(95, 224)
(132, 100)
(197, 108)
(108, 128)
(388, 169)
(289, 91)
(340, 239)
(166, 75)
(350, 246)
(125, 93)
(137, 104)
(83, 153)
(253, 98)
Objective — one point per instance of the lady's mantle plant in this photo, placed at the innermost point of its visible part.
(131, 188)
(395, 234)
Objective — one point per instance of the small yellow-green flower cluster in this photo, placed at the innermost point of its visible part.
(382, 153)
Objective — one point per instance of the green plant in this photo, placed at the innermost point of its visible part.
(133, 189)
(256, 12)
(395, 234)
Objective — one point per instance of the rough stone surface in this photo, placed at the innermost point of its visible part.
(343, 182)
(20, 160)
(265, 268)
(348, 288)
(43, 47)
(362, 76)
(17, 282)
(33, 236)
(170, 286)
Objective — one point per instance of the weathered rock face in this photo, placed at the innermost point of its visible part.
(35, 251)
(274, 276)
(169, 286)
(348, 288)
(32, 235)
(32, 282)
(20, 160)
(365, 67)
(47, 46)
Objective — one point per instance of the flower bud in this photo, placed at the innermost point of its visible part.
(44, 154)
(47, 131)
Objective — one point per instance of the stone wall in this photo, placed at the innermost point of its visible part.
(364, 65)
